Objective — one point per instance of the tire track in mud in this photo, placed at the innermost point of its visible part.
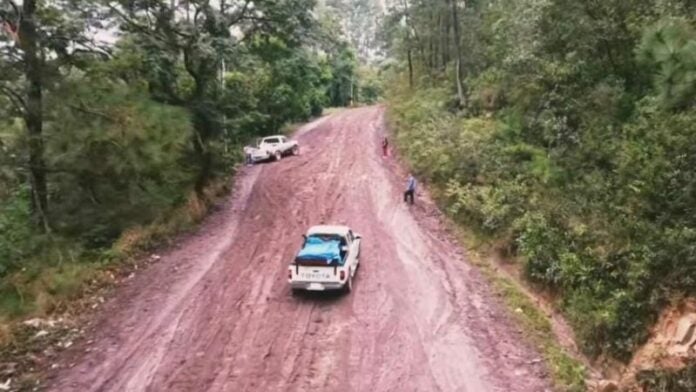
(419, 318)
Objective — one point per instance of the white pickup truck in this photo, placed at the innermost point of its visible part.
(275, 148)
(328, 260)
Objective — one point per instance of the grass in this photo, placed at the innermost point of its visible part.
(568, 373)
(331, 111)
(49, 281)
(289, 129)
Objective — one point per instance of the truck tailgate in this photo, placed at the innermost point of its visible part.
(319, 274)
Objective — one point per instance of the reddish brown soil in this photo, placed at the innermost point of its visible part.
(216, 313)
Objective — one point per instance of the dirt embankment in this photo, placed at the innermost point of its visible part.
(216, 314)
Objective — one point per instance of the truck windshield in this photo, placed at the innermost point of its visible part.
(270, 141)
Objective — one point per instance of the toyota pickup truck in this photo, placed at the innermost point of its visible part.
(328, 260)
(274, 148)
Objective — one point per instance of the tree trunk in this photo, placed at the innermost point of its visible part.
(33, 117)
(458, 49)
(431, 44)
(445, 42)
(409, 50)
(204, 158)
(410, 68)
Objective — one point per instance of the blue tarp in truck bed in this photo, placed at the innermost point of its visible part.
(317, 249)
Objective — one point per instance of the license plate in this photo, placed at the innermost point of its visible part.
(315, 287)
(315, 276)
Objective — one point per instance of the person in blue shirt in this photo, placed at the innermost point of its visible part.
(410, 189)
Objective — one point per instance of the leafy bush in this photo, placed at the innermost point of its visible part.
(683, 380)
(140, 146)
(15, 234)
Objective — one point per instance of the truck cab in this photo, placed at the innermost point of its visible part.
(274, 148)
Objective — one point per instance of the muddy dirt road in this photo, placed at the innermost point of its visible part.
(216, 313)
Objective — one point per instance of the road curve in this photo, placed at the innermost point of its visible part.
(216, 313)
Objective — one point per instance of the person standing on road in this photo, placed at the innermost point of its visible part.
(385, 146)
(410, 189)
(247, 153)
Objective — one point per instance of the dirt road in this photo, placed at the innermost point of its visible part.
(216, 313)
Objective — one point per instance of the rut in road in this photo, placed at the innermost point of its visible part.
(216, 314)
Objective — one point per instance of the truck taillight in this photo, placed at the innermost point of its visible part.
(342, 275)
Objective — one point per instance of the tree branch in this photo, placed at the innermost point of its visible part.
(143, 29)
(15, 98)
(14, 6)
(83, 109)
(241, 15)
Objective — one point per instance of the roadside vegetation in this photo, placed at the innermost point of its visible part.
(120, 123)
(563, 132)
(567, 372)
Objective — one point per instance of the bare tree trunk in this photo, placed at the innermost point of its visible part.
(460, 87)
(445, 42)
(431, 44)
(458, 48)
(409, 51)
(410, 68)
(33, 117)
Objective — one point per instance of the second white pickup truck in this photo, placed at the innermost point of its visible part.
(274, 148)
(328, 260)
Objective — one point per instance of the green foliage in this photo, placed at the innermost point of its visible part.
(292, 83)
(343, 83)
(567, 373)
(575, 148)
(669, 48)
(15, 234)
(141, 147)
(371, 87)
(683, 380)
(614, 245)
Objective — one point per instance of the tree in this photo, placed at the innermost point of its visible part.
(669, 48)
(454, 7)
(44, 38)
(360, 22)
(343, 69)
(200, 34)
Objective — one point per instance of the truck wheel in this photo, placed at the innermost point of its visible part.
(296, 150)
(277, 156)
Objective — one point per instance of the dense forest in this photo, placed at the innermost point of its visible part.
(564, 132)
(119, 120)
